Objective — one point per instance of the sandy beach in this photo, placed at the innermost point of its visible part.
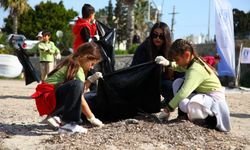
(21, 127)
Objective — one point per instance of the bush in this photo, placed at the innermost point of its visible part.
(132, 49)
(4, 51)
(121, 52)
(245, 80)
(8, 49)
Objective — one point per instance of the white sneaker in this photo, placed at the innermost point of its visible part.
(72, 128)
(54, 122)
(57, 119)
(96, 122)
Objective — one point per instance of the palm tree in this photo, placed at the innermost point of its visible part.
(131, 18)
(141, 10)
(16, 7)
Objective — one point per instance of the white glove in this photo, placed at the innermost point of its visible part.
(97, 37)
(95, 77)
(58, 56)
(96, 122)
(162, 61)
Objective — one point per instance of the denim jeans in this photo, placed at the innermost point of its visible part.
(167, 90)
(68, 101)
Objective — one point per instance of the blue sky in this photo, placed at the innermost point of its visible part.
(192, 17)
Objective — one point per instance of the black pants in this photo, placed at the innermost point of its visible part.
(68, 101)
(167, 90)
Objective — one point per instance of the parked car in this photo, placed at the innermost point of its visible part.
(29, 44)
(15, 39)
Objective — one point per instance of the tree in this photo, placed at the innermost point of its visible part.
(100, 13)
(105, 15)
(241, 23)
(120, 22)
(131, 20)
(46, 16)
(17, 8)
(110, 14)
(141, 9)
(50, 16)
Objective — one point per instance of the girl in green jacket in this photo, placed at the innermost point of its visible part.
(200, 94)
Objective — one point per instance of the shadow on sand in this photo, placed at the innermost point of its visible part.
(240, 115)
(15, 97)
(26, 130)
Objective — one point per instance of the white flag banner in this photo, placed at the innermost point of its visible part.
(225, 37)
(245, 56)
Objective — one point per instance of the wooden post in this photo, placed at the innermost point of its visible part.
(238, 68)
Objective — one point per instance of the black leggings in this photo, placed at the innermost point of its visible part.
(68, 101)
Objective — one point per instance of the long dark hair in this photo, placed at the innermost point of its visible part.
(152, 49)
(89, 50)
(180, 46)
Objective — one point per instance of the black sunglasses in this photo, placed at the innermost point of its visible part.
(155, 35)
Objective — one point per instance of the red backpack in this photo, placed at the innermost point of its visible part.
(45, 98)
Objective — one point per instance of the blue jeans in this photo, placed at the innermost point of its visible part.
(68, 101)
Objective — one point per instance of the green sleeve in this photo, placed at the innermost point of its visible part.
(41, 46)
(55, 49)
(80, 75)
(193, 78)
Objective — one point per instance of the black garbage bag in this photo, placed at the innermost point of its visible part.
(124, 93)
(30, 73)
(107, 44)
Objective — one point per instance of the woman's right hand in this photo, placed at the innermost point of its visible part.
(162, 61)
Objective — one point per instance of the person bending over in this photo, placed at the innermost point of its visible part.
(68, 80)
(200, 94)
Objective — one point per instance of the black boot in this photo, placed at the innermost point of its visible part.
(182, 115)
(211, 122)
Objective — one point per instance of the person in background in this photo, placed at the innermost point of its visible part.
(40, 36)
(157, 44)
(34, 50)
(136, 39)
(212, 60)
(200, 94)
(47, 52)
(84, 29)
(68, 82)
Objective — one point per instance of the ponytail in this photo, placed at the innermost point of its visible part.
(180, 46)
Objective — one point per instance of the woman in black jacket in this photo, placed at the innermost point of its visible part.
(156, 44)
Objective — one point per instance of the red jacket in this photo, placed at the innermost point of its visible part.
(45, 98)
(81, 23)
